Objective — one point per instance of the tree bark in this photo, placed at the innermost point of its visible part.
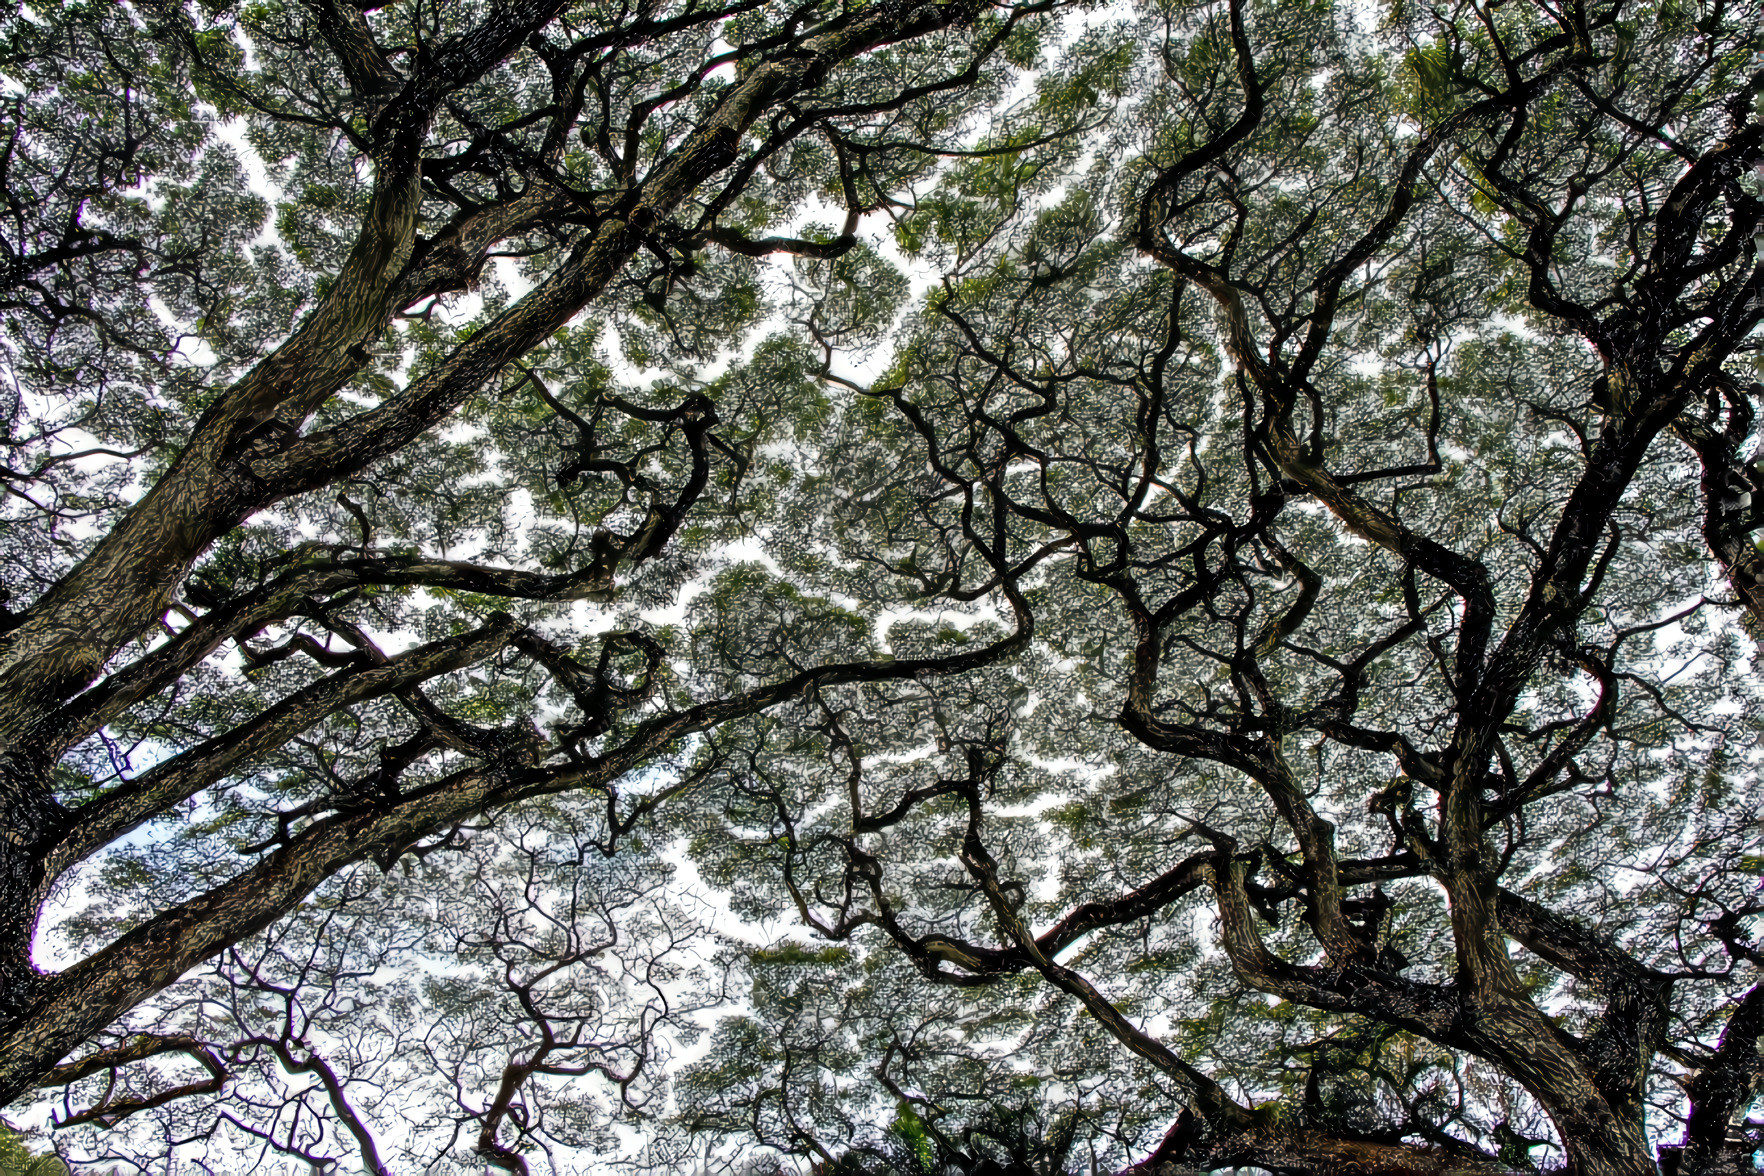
(234, 467)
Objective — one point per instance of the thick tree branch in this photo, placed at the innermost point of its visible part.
(108, 1112)
(72, 1005)
(1724, 1087)
(125, 807)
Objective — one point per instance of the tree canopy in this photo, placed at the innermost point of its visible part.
(883, 585)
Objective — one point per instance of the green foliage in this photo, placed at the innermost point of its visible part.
(640, 553)
(790, 954)
(910, 1130)
(17, 1158)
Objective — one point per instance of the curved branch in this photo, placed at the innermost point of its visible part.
(70, 1006)
(107, 1113)
(1722, 1088)
(103, 820)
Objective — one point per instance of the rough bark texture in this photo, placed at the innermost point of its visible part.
(78, 657)
(235, 465)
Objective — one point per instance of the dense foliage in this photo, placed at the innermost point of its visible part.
(882, 586)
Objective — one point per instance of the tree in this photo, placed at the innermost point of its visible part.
(443, 137)
(1261, 677)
